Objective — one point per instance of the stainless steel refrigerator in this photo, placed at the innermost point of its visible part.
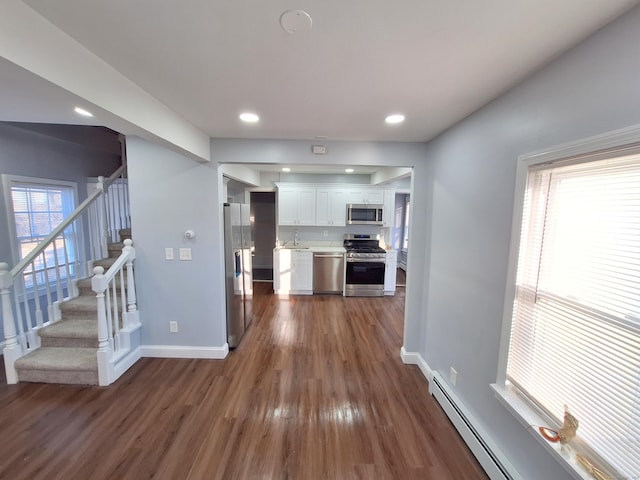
(238, 248)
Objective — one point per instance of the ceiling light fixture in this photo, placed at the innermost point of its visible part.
(83, 112)
(286, 169)
(349, 170)
(249, 117)
(395, 118)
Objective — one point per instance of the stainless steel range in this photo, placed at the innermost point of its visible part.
(365, 266)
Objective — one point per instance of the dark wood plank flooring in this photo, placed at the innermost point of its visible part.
(316, 390)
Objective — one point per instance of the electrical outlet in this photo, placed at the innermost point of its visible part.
(453, 376)
(325, 233)
(168, 253)
(173, 326)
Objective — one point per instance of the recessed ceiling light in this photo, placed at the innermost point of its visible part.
(395, 118)
(83, 112)
(286, 169)
(348, 170)
(249, 117)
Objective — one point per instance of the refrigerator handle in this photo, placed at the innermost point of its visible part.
(238, 263)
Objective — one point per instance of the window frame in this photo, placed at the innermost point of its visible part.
(9, 181)
(615, 143)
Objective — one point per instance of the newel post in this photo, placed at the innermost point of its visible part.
(12, 350)
(99, 285)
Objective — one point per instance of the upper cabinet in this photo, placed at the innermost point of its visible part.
(326, 205)
(366, 195)
(296, 205)
(331, 206)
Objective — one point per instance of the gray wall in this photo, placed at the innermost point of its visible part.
(31, 154)
(591, 89)
(169, 195)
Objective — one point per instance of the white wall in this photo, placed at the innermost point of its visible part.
(589, 90)
(169, 195)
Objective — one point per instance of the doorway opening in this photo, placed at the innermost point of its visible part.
(263, 232)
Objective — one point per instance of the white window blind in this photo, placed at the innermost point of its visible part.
(575, 336)
(38, 209)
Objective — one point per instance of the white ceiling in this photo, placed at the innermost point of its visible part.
(208, 60)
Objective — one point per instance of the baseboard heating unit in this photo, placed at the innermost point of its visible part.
(492, 460)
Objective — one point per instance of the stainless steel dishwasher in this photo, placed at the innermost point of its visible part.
(328, 272)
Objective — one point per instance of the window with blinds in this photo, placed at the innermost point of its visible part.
(575, 332)
(38, 209)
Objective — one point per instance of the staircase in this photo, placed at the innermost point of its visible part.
(60, 327)
(68, 347)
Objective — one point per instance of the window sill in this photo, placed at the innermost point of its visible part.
(531, 419)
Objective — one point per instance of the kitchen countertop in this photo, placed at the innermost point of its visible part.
(328, 247)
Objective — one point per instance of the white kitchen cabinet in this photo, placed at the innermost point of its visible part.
(296, 205)
(331, 207)
(302, 280)
(390, 270)
(365, 195)
(388, 212)
(292, 271)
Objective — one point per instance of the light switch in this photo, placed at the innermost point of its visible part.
(168, 253)
(185, 254)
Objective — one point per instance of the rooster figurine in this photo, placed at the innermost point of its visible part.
(566, 433)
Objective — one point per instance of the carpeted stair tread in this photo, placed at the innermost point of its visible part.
(104, 263)
(53, 358)
(78, 366)
(70, 333)
(115, 249)
(83, 306)
(84, 285)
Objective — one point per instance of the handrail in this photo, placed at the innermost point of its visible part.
(19, 268)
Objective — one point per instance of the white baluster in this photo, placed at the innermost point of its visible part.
(104, 233)
(115, 315)
(123, 298)
(36, 295)
(56, 264)
(12, 350)
(17, 318)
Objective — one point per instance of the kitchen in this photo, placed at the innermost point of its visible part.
(320, 233)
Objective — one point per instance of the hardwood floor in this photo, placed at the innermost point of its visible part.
(316, 390)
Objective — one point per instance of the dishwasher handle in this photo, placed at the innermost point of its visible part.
(328, 255)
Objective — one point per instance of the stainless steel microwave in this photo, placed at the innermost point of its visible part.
(364, 214)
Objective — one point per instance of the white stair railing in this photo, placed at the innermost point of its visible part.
(32, 291)
(117, 313)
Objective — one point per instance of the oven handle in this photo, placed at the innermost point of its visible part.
(366, 260)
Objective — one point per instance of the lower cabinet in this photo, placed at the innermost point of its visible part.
(292, 271)
(390, 271)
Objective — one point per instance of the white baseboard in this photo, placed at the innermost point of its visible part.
(125, 363)
(414, 358)
(173, 351)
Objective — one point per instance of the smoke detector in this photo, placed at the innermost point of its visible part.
(294, 21)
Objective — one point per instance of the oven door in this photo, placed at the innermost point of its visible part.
(364, 278)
